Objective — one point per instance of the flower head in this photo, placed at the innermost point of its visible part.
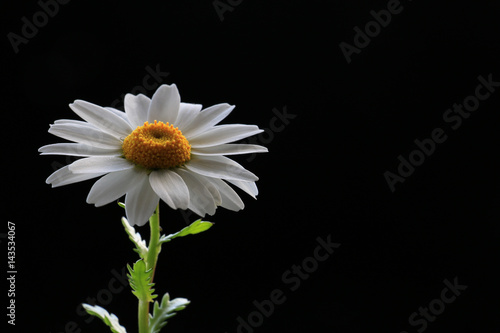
(159, 148)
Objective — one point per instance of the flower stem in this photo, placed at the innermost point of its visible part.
(143, 316)
(151, 259)
(154, 247)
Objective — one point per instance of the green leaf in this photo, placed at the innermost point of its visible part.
(165, 311)
(139, 279)
(135, 237)
(109, 319)
(194, 228)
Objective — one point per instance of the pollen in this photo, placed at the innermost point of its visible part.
(157, 146)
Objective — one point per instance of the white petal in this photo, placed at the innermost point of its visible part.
(164, 104)
(112, 186)
(223, 134)
(229, 149)
(207, 118)
(201, 200)
(137, 108)
(74, 122)
(187, 112)
(119, 113)
(101, 118)
(219, 167)
(170, 187)
(77, 149)
(64, 176)
(248, 187)
(214, 192)
(85, 134)
(141, 202)
(230, 199)
(103, 164)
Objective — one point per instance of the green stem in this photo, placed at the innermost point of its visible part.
(143, 316)
(154, 242)
(151, 259)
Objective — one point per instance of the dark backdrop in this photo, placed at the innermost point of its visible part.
(343, 111)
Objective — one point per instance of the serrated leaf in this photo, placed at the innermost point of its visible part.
(139, 279)
(164, 311)
(109, 319)
(194, 228)
(135, 237)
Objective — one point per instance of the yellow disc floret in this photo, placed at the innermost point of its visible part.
(157, 146)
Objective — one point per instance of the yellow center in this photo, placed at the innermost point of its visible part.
(157, 146)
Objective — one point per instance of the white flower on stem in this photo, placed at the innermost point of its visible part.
(159, 148)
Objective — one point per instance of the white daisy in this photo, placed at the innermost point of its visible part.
(157, 148)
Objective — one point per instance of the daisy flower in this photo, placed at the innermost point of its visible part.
(159, 148)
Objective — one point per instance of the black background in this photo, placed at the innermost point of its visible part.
(323, 176)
